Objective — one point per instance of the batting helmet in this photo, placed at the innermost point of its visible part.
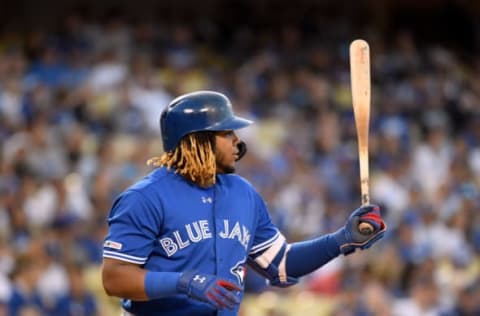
(197, 111)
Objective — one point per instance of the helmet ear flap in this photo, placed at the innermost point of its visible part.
(242, 150)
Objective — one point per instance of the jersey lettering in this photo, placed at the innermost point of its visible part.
(169, 246)
(200, 230)
(205, 229)
(246, 237)
(236, 232)
(181, 244)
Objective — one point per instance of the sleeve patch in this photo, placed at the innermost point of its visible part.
(112, 244)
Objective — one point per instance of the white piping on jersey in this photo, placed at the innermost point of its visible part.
(266, 258)
(264, 244)
(282, 268)
(124, 257)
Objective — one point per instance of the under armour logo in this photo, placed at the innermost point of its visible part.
(199, 278)
(206, 199)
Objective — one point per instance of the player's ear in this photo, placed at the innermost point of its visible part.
(242, 149)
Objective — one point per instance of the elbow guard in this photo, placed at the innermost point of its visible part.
(271, 262)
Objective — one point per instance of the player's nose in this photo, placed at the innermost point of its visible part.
(235, 139)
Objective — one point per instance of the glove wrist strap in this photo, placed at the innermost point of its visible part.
(184, 281)
(161, 284)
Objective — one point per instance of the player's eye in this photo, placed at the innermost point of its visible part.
(226, 134)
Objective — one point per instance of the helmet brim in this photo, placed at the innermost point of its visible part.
(232, 123)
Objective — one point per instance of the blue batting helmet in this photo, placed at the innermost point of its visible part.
(197, 111)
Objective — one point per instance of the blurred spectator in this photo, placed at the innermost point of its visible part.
(78, 301)
(469, 301)
(79, 111)
(422, 299)
(24, 298)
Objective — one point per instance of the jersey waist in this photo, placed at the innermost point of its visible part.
(179, 305)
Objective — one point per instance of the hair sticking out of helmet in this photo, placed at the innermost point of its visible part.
(193, 158)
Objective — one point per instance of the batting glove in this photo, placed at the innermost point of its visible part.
(349, 238)
(208, 288)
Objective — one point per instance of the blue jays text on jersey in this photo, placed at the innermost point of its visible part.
(199, 230)
(165, 223)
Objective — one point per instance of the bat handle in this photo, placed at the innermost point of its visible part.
(365, 228)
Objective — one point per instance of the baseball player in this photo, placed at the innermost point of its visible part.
(180, 239)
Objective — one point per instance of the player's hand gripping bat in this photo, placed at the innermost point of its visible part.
(360, 80)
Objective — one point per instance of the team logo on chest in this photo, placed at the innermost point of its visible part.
(239, 271)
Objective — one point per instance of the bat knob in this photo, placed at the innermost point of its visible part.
(365, 228)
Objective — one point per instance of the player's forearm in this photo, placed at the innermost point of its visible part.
(307, 256)
(123, 280)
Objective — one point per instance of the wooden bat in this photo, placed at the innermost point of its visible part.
(360, 80)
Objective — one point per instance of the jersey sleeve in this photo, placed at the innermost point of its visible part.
(266, 233)
(269, 250)
(134, 224)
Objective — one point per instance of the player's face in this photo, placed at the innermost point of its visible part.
(226, 151)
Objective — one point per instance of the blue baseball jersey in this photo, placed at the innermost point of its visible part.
(165, 223)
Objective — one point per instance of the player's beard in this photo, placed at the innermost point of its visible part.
(228, 169)
(223, 168)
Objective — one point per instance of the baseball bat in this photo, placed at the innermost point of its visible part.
(360, 81)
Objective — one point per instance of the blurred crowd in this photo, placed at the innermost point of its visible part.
(79, 110)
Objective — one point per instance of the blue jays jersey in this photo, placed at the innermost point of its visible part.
(165, 223)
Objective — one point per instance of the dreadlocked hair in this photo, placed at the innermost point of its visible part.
(193, 158)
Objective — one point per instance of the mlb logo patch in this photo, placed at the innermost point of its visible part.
(112, 244)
